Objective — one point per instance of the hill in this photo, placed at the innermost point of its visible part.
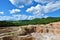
(29, 22)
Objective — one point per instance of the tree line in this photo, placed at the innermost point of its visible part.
(29, 22)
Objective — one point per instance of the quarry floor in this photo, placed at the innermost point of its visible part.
(31, 36)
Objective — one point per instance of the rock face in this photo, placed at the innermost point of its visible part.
(8, 33)
(49, 28)
(28, 37)
(49, 31)
(47, 36)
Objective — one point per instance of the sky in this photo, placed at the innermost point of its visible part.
(28, 9)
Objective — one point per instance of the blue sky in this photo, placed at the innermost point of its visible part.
(28, 9)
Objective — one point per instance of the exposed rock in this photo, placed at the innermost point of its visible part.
(49, 31)
(26, 37)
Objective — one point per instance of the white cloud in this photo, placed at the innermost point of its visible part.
(41, 1)
(35, 10)
(50, 7)
(1, 12)
(46, 16)
(16, 17)
(20, 17)
(30, 17)
(40, 11)
(18, 3)
(23, 17)
(14, 11)
(21, 6)
(5, 18)
(45, 1)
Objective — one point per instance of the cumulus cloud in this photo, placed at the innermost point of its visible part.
(19, 3)
(35, 10)
(14, 11)
(1, 12)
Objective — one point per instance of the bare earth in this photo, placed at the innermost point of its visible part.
(49, 31)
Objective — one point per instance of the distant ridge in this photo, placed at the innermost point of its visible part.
(29, 22)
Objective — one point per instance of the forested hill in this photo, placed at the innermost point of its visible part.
(29, 22)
